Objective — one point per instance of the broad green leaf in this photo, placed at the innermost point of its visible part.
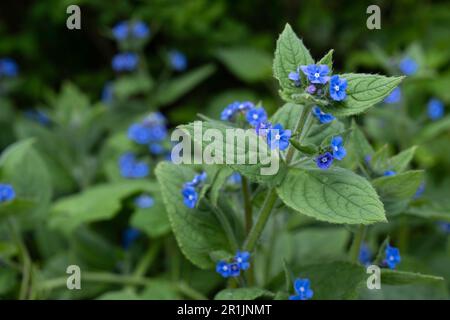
(218, 182)
(289, 54)
(247, 63)
(334, 195)
(380, 160)
(154, 220)
(359, 143)
(243, 294)
(288, 116)
(363, 91)
(98, 203)
(174, 89)
(402, 277)
(400, 162)
(335, 281)
(328, 60)
(319, 132)
(198, 231)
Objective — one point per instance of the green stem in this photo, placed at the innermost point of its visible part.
(356, 244)
(258, 227)
(225, 225)
(247, 205)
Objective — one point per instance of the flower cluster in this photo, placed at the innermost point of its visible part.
(177, 60)
(131, 168)
(335, 151)
(7, 192)
(144, 201)
(126, 61)
(302, 290)
(189, 191)
(392, 256)
(126, 29)
(8, 68)
(233, 269)
(321, 116)
(151, 130)
(317, 77)
(435, 109)
(235, 108)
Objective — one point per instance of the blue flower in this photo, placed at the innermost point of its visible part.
(263, 128)
(408, 66)
(190, 196)
(277, 137)
(316, 73)
(130, 168)
(337, 146)
(322, 116)
(302, 290)
(435, 109)
(245, 106)
(256, 115)
(420, 190)
(108, 93)
(235, 178)
(223, 268)
(8, 68)
(120, 31)
(311, 89)
(125, 61)
(394, 97)
(139, 133)
(229, 111)
(324, 161)
(241, 259)
(337, 88)
(365, 254)
(177, 60)
(295, 76)
(7, 192)
(235, 271)
(129, 236)
(154, 118)
(444, 226)
(389, 173)
(140, 30)
(144, 201)
(392, 256)
(198, 179)
(158, 133)
(38, 116)
(156, 149)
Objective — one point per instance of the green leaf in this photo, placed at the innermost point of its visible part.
(130, 85)
(247, 63)
(395, 277)
(334, 195)
(218, 182)
(198, 232)
(98, 203)
(380, 160)
(359, 143)
(174, 89)
(154, 221)
(290, 53)
(243, 294)
(400, 162)
(288, 116)
(363, 91)
(328, 60)
(434, 129)
(309, 149)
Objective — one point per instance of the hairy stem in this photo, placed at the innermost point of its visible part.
(356, 244)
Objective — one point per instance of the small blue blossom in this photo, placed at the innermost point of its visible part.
(322, 116)
(38, 116)
(235, 178)
(435, 109)
(223, 268)
(444, 226)
(144, 201)
(311, 89)
(365, 254)
(132, 169)
(139, 133)
(302, 290)
(420, 190)
(108, 93)
(140, 30)
(154, 118)
(368, 158)
(316, 73)
(229, 111)
(337, 88)
(277, 137)
(389, 173)
(408, 66)
(324, 161)
(127, 61)
(120, 31)
(8, 68)
(263, 128)
(295, 76)
(129, 236)
(245, 106)
(190, 196)
(392, 256)
(394, 97)
(337, 146)
(242, 259)
(235, 271)
(7, 192)
(177, 60)
(156, 149)
(256, 115)
(198, 179)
